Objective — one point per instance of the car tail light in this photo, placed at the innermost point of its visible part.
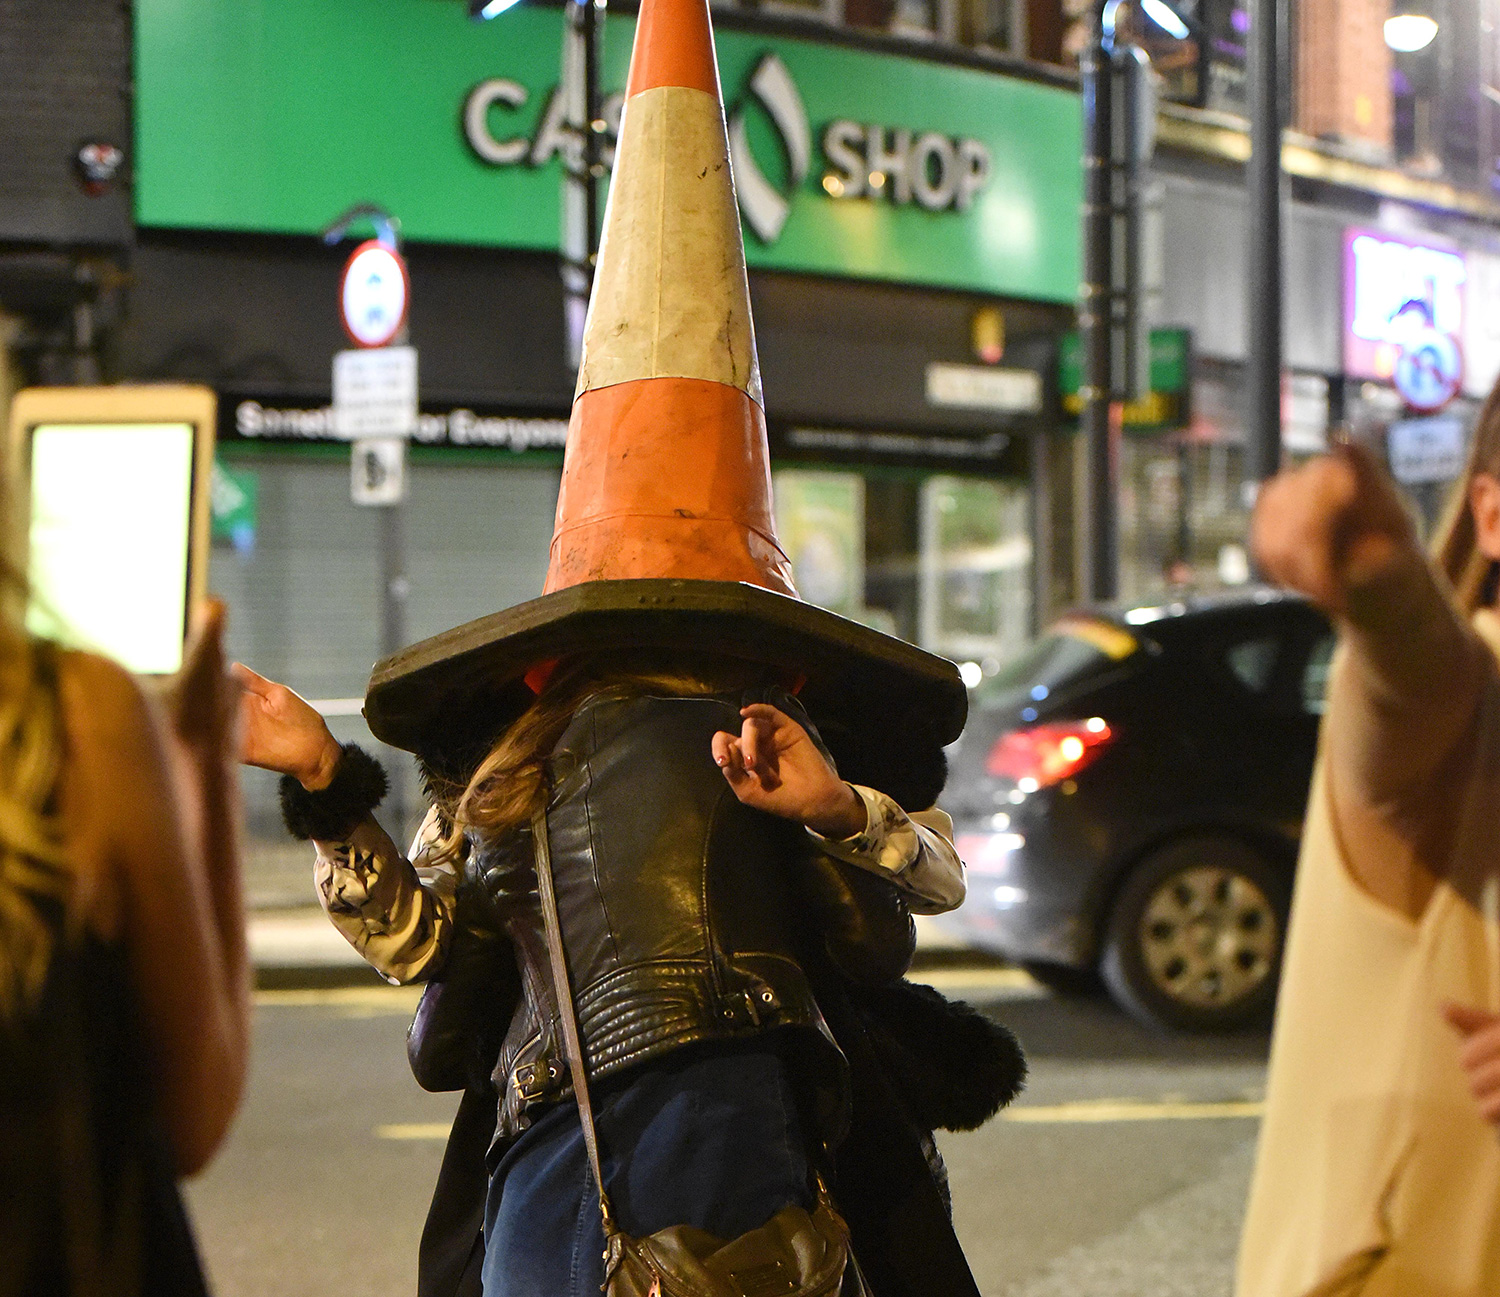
(988, 853)
(1046, 754)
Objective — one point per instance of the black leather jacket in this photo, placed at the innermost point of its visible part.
(687, 917)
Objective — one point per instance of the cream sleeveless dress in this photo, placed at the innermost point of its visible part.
(1375, 1175)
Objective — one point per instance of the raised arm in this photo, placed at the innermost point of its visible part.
(396, 913)
(1406, 692)
(914, 851)
(157, 810)
(773, 765)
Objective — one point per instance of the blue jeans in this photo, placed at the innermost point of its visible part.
(711, 1139)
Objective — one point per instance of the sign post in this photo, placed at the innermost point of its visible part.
(375, 408)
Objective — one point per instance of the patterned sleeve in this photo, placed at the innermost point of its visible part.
(915, 851)
(396, 914)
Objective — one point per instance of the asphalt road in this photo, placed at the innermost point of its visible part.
(1120, 1173)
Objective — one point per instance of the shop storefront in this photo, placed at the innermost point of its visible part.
(1361, 278)
(911, 232)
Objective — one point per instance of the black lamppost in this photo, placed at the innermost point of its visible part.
(1095, 313)
(1263, 218)
(583, 166)
(1119, 112)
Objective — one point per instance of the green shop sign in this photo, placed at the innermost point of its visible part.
(1166, 406)
(275, 115)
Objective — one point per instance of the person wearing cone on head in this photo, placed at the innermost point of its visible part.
(674, 728)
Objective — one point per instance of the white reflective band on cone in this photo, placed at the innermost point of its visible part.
(670, 296)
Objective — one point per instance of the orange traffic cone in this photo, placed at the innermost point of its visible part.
(665, 535)
(667, 473)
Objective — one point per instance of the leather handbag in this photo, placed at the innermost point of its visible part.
(796, 1253)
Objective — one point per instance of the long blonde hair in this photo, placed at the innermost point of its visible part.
(36, 881)
(1455, 543)
(513, 779)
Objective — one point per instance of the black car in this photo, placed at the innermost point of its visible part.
(1129, 795)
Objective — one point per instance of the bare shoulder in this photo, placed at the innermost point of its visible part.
(110, 725)
(99, 697)
(113, 765)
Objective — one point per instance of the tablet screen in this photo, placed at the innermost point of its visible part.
(111, 516)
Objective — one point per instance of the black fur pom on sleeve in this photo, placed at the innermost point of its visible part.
(330, 814)
(956, 1067)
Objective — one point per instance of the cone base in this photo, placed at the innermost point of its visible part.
(876, 699)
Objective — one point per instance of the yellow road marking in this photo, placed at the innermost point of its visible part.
(1102, 1110)
(1084, 1111)
(985, 979)
(353, 1001)
(415, 1130)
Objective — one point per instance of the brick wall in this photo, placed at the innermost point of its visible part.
(1344, 71)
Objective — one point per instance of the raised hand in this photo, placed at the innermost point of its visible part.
(201, 698)
(773, 766)
(1479, 1055)
(1329, 525)
(281, 731)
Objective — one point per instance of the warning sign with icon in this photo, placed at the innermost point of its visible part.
(377, 470)
(1430, 370)
(373, 295)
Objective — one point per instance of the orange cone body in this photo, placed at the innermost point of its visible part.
(667, 472)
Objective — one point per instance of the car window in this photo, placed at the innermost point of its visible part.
(1253, 661)
(1315, 676)
(1074, 648)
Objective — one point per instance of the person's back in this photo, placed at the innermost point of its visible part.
(87, 1198)
(123, 996)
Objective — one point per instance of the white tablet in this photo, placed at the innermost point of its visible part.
(113, 516)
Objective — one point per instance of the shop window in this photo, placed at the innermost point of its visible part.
(995, 25)
(940, 561)
(974, 570)
(1075, 38)
(1183, 518)
(828, 11)
(925, 18)
(820, 521)
(892, 505)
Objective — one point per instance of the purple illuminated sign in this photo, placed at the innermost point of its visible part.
(1394, 290)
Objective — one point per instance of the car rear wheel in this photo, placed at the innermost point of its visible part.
(1196, 935)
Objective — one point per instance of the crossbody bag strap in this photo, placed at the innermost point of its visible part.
(563, 990)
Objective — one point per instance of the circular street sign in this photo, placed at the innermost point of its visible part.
(373, 294)
(1429, 370)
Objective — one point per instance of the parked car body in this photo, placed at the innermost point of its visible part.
(1129, 796)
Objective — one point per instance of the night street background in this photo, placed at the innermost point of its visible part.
(1120, 1173)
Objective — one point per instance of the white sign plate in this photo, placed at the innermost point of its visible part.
(375, 392)
(983, 387)
(377, 470)
(1426, 450)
